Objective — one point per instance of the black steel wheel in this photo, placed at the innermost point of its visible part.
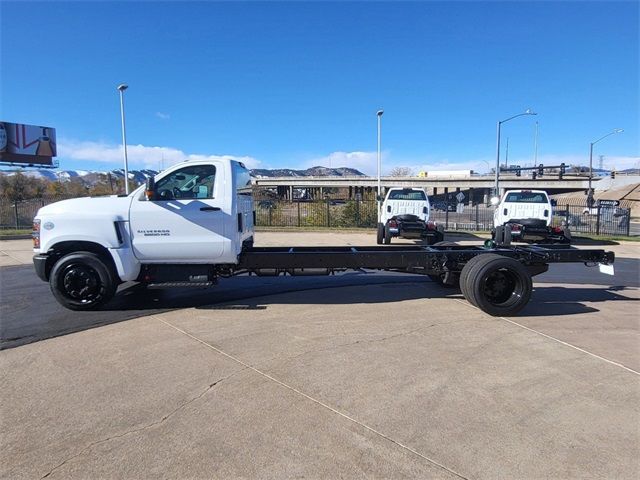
(82, 281)
(380, 234)
(497, 285)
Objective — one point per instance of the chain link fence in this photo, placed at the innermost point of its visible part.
(599, 220)
(18, 214)
(332, 213)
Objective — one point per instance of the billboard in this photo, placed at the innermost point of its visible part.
(27, 144)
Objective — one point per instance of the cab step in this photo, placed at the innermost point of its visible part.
(180, 284)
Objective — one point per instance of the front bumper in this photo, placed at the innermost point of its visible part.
(40, 265)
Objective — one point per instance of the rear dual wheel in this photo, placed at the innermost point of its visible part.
(497, 285)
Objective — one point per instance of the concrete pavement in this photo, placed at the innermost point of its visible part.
(383, 381)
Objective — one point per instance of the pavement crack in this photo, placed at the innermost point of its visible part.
(318, 401)
(360, 341)
(145, 427)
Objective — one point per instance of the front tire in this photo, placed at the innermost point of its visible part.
(82, 281)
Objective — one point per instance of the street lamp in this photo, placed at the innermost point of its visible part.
(379, 115)
(121, 88)
(526, 112)
(590, 192)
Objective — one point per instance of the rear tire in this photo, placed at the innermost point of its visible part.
(497, 285)
(387, 235)
(437, 239)
(464, 275)
(82, 281)
(380, 234)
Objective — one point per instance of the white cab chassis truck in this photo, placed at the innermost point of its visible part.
(527, 214)
(194, 223)
(405, 213)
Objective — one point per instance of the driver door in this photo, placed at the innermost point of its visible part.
(186, 220)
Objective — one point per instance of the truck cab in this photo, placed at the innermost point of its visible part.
(189, 217)
(527, 214)
(405, 213)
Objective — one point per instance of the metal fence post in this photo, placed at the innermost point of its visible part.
(298, 212)
(598, 220)
(446, 215)
(627, 218)
(15, 212)
(477, 216)
(328, 214)
(357, 212)
(270, 214)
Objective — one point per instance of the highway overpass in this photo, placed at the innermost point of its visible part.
(478, 185)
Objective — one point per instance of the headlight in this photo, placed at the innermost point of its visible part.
(35, 234)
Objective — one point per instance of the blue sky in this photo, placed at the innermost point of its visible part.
(297, 84)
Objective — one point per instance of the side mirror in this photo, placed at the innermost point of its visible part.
(150, 189)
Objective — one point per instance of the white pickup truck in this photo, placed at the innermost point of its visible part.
(527, 215)
(405, 213)
(194, 224)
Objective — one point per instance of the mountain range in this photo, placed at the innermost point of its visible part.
(140, 176)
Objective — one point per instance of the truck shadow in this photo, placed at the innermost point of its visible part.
(25, 321)
(560, 301)
(546, 301)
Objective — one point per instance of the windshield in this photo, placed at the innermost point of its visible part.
(407, 195)
(527, 197)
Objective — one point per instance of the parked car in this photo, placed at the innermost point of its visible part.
(405, 213)
(605, 209)
(444, 206)
(266, 204)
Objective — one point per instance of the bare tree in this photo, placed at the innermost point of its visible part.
(401, 172)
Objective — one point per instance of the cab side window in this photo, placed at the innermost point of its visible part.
(197, 181)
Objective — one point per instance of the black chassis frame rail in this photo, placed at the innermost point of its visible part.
(413, 259)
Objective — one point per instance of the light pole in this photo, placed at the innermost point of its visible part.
(526, 112)
(121, 88)
(535, 146)
(506, 155)
(590, 192)
(379, 115)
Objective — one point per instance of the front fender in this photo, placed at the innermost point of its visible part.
(106, 232)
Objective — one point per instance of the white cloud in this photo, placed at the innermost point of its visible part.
(139, 156)
(366, 162)
(445, 164)
(163, 116)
